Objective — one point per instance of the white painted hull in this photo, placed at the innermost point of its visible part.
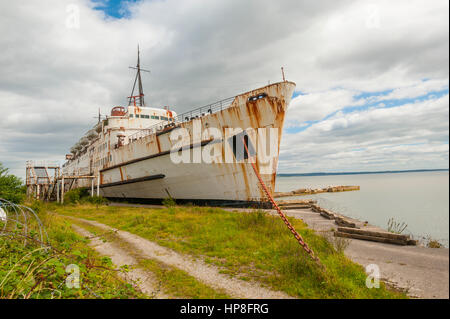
(148, 157)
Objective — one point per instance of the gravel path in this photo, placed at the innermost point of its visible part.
(203, 272)
(144, 280)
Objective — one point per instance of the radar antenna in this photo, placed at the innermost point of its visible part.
(137, 99)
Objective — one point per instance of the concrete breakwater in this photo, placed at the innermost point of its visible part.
(349, 227)
(352, 228)
(309, 191)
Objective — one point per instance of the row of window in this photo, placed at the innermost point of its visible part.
(102, 147)
(103, 161)
(153, 117)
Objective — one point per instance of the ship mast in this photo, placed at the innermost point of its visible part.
(137, 99)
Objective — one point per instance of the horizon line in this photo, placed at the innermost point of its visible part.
(363, 172)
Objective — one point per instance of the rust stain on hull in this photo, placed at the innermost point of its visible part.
(235, 181)
(121, 174)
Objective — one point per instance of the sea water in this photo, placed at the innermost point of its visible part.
(418, 199)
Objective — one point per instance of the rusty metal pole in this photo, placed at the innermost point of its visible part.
(98, 184)
(62, 190)
(282, 72)
(57, 190)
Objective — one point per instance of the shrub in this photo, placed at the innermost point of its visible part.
(169, 202)
(338, 243)
(96, 200)
(11, 187)
(434, 244)
(32, 271)
(396, 227)
(74, 196)
(253, 219)
(37, 206)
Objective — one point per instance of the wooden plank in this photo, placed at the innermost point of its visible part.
(296, 201)
(344, 222)
(327, 215)
(374, 233)
(371, 238)
(295, 207)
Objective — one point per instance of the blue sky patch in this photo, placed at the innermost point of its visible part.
(394, 102)
(297, 93)
(114, 8)
(365, 95)
(390, 103)
(297, 129)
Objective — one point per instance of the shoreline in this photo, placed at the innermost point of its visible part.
(343, 220)
(418, 200)
(312, 191)
(363, 173)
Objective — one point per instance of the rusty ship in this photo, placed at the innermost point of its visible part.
(129, 150)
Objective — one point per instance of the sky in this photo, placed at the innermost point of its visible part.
(371, 76)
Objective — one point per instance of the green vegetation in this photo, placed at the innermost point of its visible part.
(178, 283)
(169, 202)
(434, 244)
(251, 246)
(172, 281)
(11, 187)
(338, 243)
(32, 270)
(396, 227)
(82, 195)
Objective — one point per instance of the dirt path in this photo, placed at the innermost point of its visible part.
(203, 272)
(144, 280)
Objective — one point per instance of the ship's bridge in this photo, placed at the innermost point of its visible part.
(139, 116)
(125, 122)
(155, 114)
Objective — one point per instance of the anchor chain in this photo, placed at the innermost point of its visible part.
(297, 236)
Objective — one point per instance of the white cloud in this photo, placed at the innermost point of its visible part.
(53, 78)
(315, 106)
(410, 136)
(418, 89)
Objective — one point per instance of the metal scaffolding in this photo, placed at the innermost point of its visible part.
(46, 181)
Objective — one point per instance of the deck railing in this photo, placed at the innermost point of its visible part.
(184, 117)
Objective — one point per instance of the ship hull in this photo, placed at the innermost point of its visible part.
(144, 168)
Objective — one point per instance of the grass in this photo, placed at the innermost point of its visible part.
(31, 271)
(251, 246)
(172, 281)
(178, 283)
